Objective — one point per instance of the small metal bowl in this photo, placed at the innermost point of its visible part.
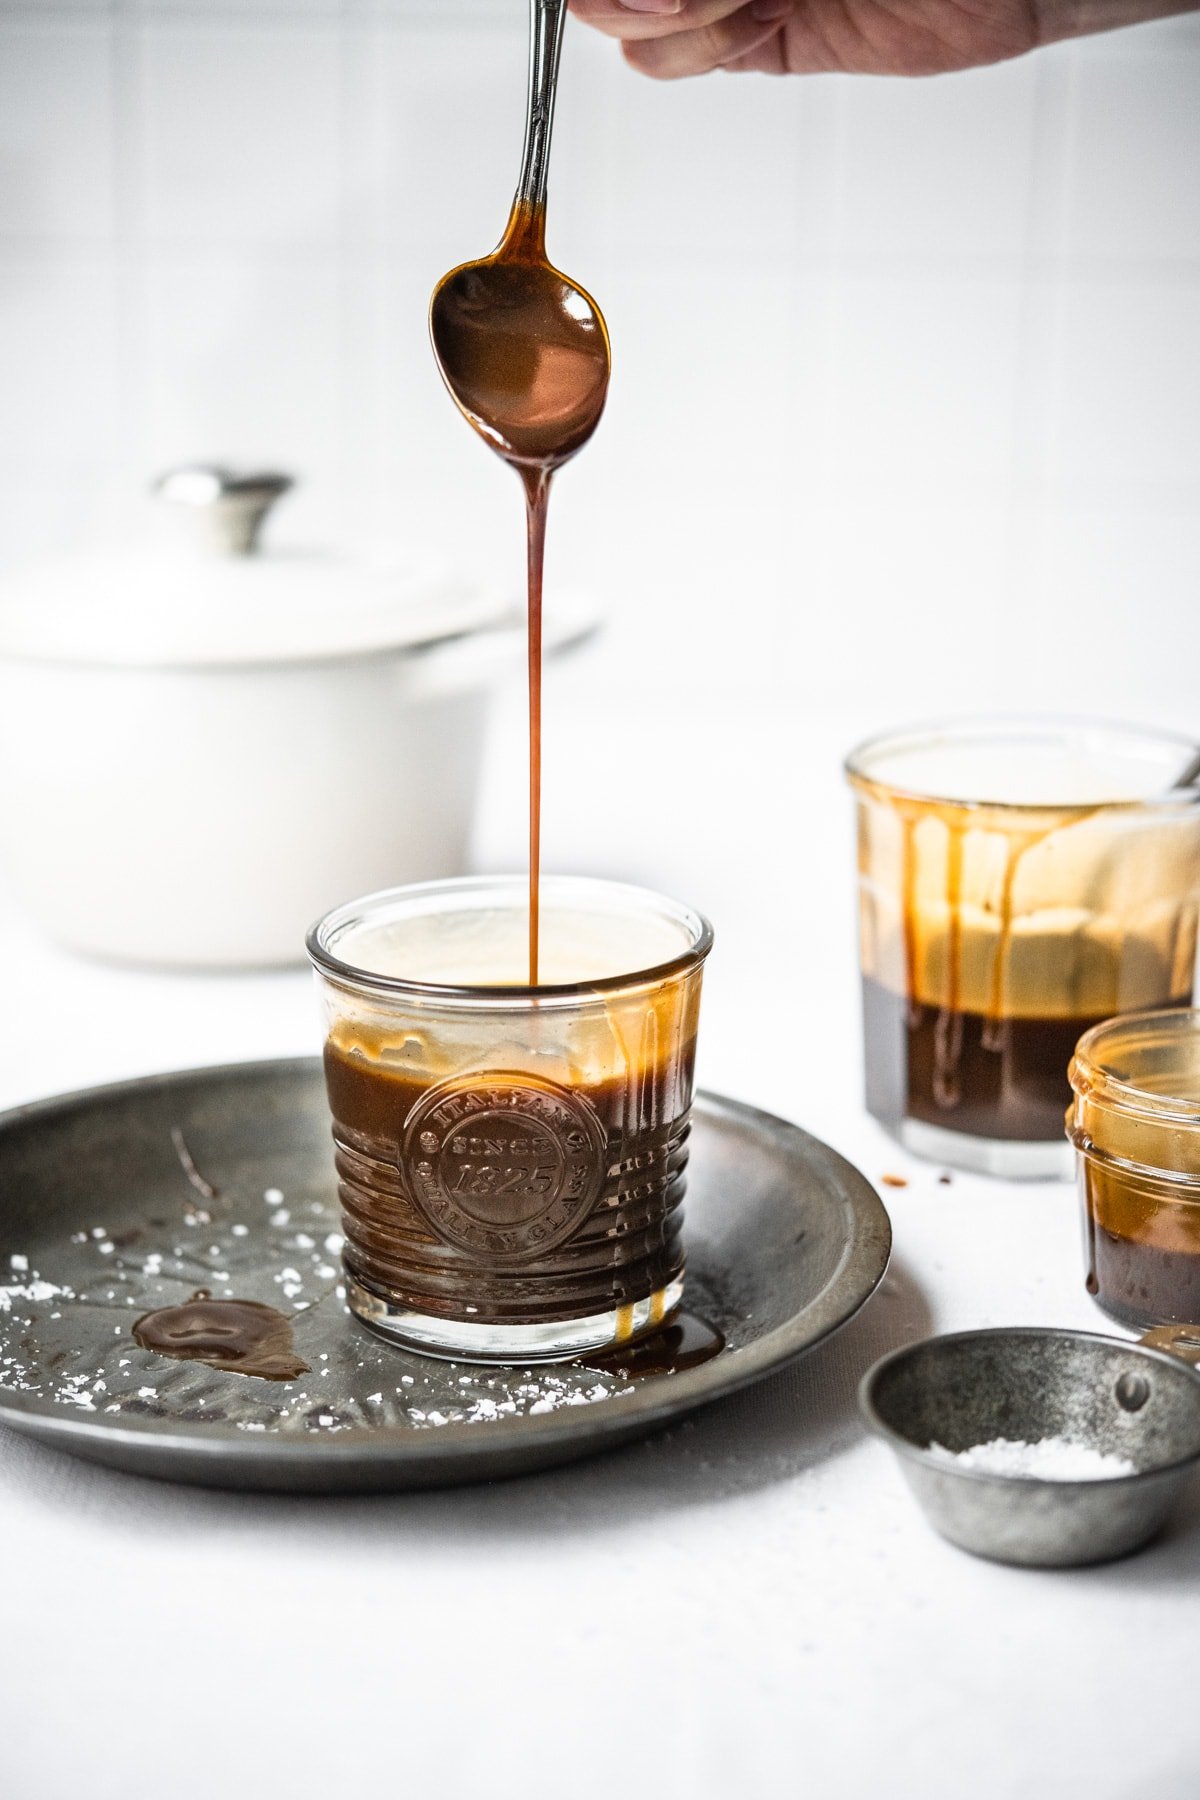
(1140, 1401)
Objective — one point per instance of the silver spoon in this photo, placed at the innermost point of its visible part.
(522, 348)
(524, 352)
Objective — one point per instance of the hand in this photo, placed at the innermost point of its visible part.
(669, 38)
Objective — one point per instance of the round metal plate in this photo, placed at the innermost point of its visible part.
(101, 1221)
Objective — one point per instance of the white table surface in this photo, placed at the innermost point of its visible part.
(746, 1605)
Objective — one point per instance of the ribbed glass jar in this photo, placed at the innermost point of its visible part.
(511, 1159)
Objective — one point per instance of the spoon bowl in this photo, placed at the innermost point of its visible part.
(523, 350)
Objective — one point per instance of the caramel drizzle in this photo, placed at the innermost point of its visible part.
(948, 1032)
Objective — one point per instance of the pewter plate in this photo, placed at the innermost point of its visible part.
(100, 1222)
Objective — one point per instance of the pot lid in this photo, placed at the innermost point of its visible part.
(206, 596)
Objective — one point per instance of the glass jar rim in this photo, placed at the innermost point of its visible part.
(1091, 1076)
(347, 974)
(1017, 727)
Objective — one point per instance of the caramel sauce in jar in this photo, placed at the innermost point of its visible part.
(1135, 1123)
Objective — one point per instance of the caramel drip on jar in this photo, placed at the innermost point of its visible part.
(948, 1032)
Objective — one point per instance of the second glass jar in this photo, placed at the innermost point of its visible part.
(1019, 881)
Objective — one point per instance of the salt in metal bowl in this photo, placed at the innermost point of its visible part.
(1140, 1401)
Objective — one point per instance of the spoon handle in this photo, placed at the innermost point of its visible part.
(546, 21)
(1190, 776)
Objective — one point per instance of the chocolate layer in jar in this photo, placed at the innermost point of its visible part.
(505, 1196)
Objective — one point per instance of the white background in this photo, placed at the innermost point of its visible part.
(906, 387)
(905, 419)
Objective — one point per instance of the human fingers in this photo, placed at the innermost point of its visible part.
(636, 19)
(714, 46)
(769, 58)
(798, 49)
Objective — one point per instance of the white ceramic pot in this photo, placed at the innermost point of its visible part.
(199, 755)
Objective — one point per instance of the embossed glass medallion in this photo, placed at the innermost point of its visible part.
(511, 1169)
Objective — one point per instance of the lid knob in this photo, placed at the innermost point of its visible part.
(226, 509)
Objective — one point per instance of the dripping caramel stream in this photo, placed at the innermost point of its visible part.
(537, 500)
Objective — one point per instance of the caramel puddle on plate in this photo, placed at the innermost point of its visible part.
(684, 1344)
(243, 1337)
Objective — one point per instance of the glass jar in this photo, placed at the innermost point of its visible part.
(1020, 880)
(1135, 1124)
(511, 1159)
